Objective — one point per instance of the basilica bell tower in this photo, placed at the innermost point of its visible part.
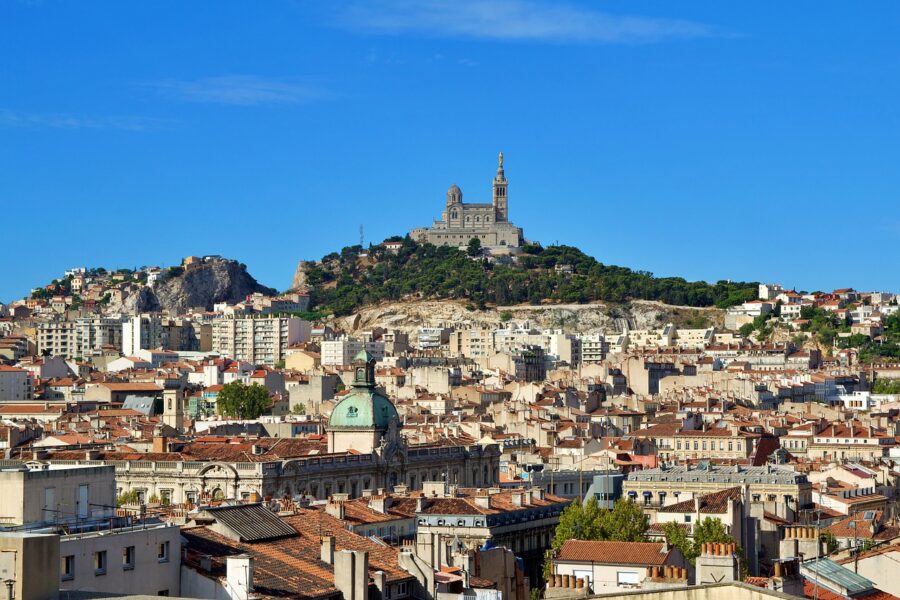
(501, 214)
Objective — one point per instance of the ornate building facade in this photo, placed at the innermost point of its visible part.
(364, 451)
(489, 222)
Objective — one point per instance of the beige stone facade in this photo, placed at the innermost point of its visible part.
(488, 222)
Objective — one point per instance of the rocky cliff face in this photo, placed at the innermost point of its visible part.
(571, 318)
(217, 280)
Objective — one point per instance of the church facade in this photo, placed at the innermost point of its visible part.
(488, 222)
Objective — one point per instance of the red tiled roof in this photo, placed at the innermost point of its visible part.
(615, 553)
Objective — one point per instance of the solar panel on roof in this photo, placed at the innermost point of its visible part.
(252, 522)
(830, 571)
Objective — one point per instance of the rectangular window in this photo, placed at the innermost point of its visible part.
(83, 502)
(68, 567)
(128, 558)
(162, 552)
(100, 562)
(628, 578)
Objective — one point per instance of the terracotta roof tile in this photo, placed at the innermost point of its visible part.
(615, 553)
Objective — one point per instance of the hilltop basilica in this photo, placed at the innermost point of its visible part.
(460, 222)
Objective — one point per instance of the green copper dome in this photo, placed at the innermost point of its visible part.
(364, 407)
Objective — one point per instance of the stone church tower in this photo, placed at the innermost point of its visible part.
(501, 214)
(487, 222)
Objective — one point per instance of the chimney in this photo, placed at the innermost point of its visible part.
(160, 443)
(335, 508)
(380, 504)
(381, 584)
(517, 498)
(239, 576)
(421, 504)
(327, 549)
(483, 501)
(351, 574)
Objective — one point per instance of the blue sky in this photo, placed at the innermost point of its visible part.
(711, 140)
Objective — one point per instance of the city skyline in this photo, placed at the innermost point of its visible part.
(290, 133)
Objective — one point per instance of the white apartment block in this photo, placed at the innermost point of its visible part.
(341, 352)
(73, 339)
(15, 384)
(92, 333)
(594, 348)
(56, 338)
(258, 340)
(150, 332)
(768, 291)
(431, 338)
(143, 559)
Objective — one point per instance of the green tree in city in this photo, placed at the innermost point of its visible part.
(678, 536)
(242, 401)
(474, 248)
(707, 531)
(626, 522)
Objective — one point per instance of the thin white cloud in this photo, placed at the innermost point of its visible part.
(514, 20)
(237, 90)
(13, 118)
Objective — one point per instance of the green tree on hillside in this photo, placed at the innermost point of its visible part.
(474, 248)
(341, 283)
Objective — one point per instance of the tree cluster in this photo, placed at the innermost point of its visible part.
(707, 531)
(343, 282)
(241, 401)
(626, 522)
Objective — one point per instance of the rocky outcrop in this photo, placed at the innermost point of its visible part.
(571, 318)
(197, 287)
(299, 279)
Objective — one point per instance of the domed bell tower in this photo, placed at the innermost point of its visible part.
(501, 214)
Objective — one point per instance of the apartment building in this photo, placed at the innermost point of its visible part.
(471, 343)
(143, 559)
(15, 384)
(341, 352)
(432, 338)
(57, 338)
(147, 332)
(258, 340)
(594, 348)
(668, 485)
(78, 338)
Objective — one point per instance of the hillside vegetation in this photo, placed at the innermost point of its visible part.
(343, 282)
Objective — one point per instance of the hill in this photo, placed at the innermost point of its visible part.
(216, 280)
(341, 283)
(150, 289)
